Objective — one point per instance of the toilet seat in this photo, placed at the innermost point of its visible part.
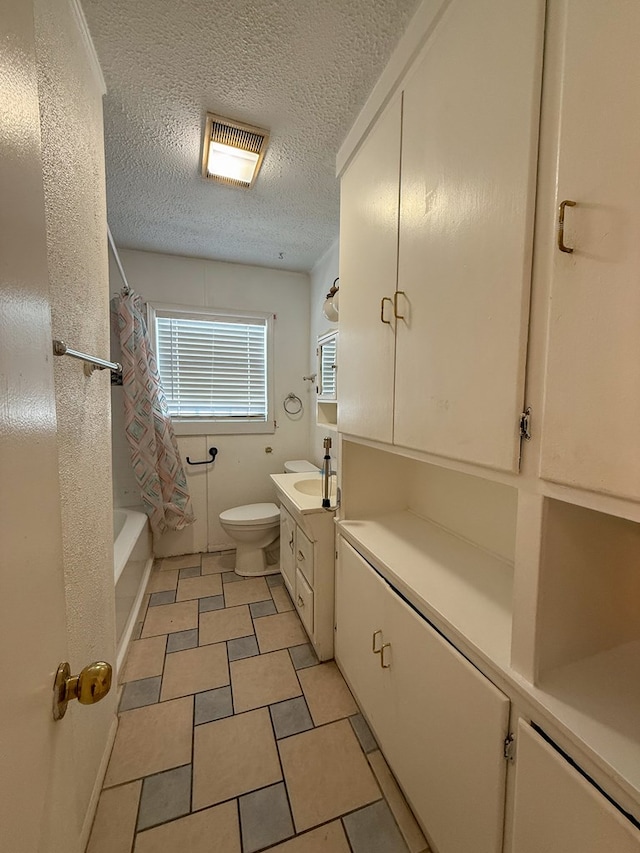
(267, 513)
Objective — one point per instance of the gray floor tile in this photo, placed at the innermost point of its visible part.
(274, 580)
(244, 647)
(158, 598)
(192, 572)
(211, 602)
(213, 705)
(265, 818)
(231, 577)
(165, 796)
(363, 733)
(290, 717)
(303, 656)
(182, 640)
(262, 608)
(136, 694)
(373, 830)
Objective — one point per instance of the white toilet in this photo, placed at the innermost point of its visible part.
(255, 527)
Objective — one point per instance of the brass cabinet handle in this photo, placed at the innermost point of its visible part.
(300, 555)
(300, 601)
(291, 542)
(373, 641)
(395, 304)
(382, 648)
(566, 203)
(382, 301)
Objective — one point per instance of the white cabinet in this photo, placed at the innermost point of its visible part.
(592, 387)
(458, 308)
(558, 810)
(440, 723)
(288, 549)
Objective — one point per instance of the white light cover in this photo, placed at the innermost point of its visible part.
(233, 163)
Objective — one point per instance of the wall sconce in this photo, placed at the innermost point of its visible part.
(330, 307)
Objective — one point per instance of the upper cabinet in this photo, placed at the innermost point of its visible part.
(457, 306)
(592, 384)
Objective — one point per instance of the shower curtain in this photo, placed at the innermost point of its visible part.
(155, 456)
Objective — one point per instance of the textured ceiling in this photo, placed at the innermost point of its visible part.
(301, 69)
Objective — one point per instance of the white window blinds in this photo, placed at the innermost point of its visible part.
(213, 368)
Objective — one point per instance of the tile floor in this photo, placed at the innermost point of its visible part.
(233, 738)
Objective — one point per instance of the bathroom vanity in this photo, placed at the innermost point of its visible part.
(307, 551)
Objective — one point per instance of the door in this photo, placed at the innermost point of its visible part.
(368, 271)
(469, 145)
(592, 385)
(38, 804)
(557, 810)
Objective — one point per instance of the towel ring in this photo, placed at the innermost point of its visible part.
(292, 404)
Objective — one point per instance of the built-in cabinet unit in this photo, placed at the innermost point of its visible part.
(488, 581)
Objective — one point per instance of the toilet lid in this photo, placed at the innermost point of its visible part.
(251, 514)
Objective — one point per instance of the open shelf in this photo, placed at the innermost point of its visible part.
(327, 414)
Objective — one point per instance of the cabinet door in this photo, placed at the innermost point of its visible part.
(447, 749)
(360, 598)
(592, 386)
(557, 810)
(469, 145)
(368, 270)
(287, 549)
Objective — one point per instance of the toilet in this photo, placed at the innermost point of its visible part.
(256, 527)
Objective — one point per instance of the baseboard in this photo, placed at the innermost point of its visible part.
(97, 787)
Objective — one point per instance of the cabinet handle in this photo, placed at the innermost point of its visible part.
(300, 555)
(561, 245)
(373, 641)
(382, 301)
(395, 304)
(291, 543)
(300, 601)
(382, 648)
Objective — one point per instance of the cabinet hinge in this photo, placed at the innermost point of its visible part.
(525, 424)
(509, 750)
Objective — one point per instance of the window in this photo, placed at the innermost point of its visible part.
(215, 369)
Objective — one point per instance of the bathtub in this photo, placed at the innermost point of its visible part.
(132, 561)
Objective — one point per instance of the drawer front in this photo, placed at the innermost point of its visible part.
(304, 602)
(287, 549)
(304, 555)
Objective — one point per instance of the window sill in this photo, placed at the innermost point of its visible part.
(204, 427)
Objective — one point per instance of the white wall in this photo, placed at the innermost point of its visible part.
(323, 275)
(240, 473)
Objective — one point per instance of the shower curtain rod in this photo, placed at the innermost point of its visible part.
(116, 257)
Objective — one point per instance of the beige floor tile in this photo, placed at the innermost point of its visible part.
(167, 618)
(195, 670)
(327, 694)
(279, 631)
(327, 774)
(145, 658)
(115, 821)
(281, 599)
(151, 739)
(213, 564)
(195, 833)
(184, 562)
(411, 832)
(263, 680)
(219, 625)
(163, 581)
(232, 757)
(246, 592)
(199, 587)
(326, 839)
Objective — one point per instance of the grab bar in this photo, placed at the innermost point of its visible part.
(60, 348)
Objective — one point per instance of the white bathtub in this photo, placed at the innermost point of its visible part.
(132, 561)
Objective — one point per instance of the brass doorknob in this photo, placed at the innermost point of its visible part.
(92, 685)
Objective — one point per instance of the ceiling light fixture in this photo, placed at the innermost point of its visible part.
(232, 152)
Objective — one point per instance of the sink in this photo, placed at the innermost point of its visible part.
(313, 486)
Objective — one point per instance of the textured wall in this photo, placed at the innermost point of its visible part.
(242, 468)
(72, 144)
(323, 275)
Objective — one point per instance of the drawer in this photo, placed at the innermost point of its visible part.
(304, 602)
(304, 555)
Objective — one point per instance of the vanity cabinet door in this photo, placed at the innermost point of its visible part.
(557, 810)
(287, 550)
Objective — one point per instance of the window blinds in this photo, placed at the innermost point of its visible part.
(328, 352)
(213, 369)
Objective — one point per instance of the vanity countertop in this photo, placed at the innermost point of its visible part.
(303, 490)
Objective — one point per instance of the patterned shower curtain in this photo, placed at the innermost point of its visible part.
(154, 451)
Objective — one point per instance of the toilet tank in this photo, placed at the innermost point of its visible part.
(300, 466)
